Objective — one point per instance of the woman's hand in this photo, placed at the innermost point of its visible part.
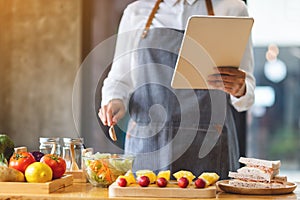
(111, 113)
(228, 79)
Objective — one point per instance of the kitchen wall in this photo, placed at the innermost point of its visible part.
(43, 45)
(40, 52)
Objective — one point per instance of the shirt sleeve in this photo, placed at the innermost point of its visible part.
(245, 102)
(247, 65)
(118, 83)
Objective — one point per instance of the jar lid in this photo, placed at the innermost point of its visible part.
(73, 140)
(46, 139)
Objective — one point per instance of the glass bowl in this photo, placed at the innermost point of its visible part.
(102, 169)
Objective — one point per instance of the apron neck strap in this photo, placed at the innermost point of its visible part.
(151, 17)
(209, 7)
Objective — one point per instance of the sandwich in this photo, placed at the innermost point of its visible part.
(258, 173)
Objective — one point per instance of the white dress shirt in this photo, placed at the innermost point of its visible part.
(171, 14)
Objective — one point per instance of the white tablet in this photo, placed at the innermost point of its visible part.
(210, 41)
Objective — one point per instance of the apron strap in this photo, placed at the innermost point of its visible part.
(151, 17)
(209, 7)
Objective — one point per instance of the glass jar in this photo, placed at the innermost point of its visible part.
(77, 144)
(50, 145)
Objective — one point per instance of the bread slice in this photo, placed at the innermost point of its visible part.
(260, 162)
(252, 177)
(279, 179)
(258, 170)
(267, 174)
(256, 185)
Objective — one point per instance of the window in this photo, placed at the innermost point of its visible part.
(274, 120)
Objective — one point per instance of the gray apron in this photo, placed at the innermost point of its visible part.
(168, 127)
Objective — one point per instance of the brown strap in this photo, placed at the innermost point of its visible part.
(151, 17)
(209, 7)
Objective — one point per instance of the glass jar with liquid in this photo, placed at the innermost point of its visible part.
(50, 145)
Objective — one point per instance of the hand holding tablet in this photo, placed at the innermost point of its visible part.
(210, 42)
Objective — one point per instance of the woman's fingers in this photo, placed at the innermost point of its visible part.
(105, 115)
(112, 112)
(109, 114)
(102, 115)
(228, 79)
(118, 115)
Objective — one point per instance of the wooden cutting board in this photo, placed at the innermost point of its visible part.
(172, 190)
(78, 176)
(36, 188)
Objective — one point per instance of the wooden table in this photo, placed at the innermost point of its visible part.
(87, 191)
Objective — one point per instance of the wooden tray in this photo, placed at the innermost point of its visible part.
(78, 176)
(172, 190)
(224, 185)
(36, 188)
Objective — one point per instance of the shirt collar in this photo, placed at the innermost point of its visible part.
(191, 1)
(173, 2)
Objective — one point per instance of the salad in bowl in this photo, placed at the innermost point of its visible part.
(102, 169)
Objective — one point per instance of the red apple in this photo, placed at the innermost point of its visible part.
(183, 182)
(161, 182)
(122, 182)
(200, 183)
(144, 181)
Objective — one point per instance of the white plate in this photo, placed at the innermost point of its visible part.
(224, 185)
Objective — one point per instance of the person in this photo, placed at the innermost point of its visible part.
(175, 129)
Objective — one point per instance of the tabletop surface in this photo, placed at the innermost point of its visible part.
(87, 191)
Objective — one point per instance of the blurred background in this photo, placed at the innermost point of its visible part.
(45, 43)
(273, 123)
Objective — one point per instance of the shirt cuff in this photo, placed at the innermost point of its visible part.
(245, 102)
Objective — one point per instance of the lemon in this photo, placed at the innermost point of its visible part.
(210, 177)
(151, 175)
(38, 172)
(129, 177)
(164, 174)
(183, 173)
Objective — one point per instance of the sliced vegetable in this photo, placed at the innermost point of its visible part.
(103, 169)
